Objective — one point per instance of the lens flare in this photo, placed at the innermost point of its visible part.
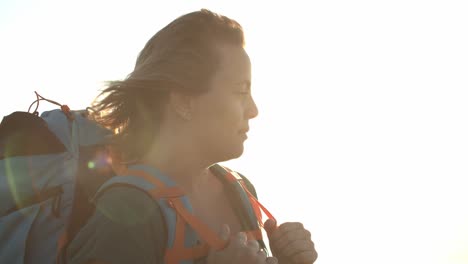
(91, 165)
(10, 177)
(19, 174)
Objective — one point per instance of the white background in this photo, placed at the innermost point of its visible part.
(363, 125)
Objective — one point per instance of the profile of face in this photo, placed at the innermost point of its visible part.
(220, 117)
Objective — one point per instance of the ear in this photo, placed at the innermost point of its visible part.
(182, 105)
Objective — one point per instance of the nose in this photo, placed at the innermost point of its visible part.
(252, 110)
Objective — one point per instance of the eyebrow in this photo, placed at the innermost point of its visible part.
(244, 83)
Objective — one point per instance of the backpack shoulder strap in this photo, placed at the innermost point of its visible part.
(244, 199)
(248, 185)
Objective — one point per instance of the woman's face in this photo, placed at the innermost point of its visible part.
(221, 115)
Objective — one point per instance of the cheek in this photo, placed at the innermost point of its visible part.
(220, 126)
(226, 114)
(219, 116)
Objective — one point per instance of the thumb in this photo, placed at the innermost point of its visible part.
(225, 233)
(270, 226)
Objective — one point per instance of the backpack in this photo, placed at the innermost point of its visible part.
(50, 167)
(53, 166)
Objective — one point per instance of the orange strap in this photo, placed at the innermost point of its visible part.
(178, 251)
(160, 189)
(146, 176)
(173, 195)
(257, 206)
(61, 244)
(175, 255)
(202, 229)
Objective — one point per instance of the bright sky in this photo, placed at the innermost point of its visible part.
(363, 126)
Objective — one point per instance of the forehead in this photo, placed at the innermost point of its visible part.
(234, 65)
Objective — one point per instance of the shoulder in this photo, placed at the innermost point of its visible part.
(127, 204)
(126, 227)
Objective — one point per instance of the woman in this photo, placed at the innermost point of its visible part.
(186, 106)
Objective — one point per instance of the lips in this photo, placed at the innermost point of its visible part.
(243, 133)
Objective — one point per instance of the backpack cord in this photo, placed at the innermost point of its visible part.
(65, 109)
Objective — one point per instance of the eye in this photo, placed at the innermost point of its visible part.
(243, 94)
(243, 88)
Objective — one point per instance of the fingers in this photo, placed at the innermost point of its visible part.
(247, 250)
(239, 240)
(305, 257)
(254, 251)
(253, 246)
(283, 239)
(260, 257)
(225, 232)
(239, 250)
(271, 260)
(287, 233)
(297, 247)
(285, 228)
(293, 242)
(270, 225)
(240, 243)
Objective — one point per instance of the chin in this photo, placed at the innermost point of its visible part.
(239, 153)
(233, 153)
(238, 150)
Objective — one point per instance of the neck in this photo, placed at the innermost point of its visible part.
(181, 161)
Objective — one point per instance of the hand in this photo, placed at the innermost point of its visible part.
(290, 243)
(239, 250)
